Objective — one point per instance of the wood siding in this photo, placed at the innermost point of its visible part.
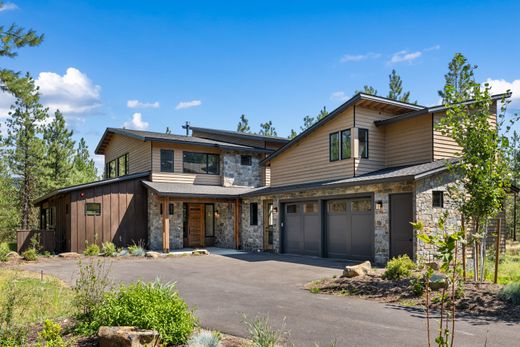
(123, 218)
(139, 152)
(178, 176)
(409, 141)
(308, 160)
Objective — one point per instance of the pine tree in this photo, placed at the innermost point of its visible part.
(396, 88)
(460, 76)
(267, 129)
(367, 90)
(292, 135)
(84, 168)
(168, 130)
(9, 211)
(59, 152)
(323, 113)
(308, 121)
(24, 147)
(243, 125)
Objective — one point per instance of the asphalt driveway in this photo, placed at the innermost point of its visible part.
(224, 288)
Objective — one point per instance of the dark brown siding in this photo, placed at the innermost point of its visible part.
(123, 218)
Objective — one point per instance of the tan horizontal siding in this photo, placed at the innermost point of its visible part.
(176, 177)
(409, 141)
(139, 152)
(444, 147)
(308, 160)
(267, 176)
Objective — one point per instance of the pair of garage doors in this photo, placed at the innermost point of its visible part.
(347, 231)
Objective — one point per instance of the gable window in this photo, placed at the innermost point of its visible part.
(438, 198)
(345, 144)
(246, 160)
(334, 146)
(201, 163)
(122, 165)
(166, 160)
(253, 213)
(111, 169)
(93, 209)
(363, 143)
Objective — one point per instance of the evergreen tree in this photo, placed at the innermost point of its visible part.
(460, 76)
(292, 135)
(396, 88)
(267, 129)
(59, 152)
(9, 211)
(84, 168)
(308, 121)
(367, 90)
(168, 130)
(323, 113)
(243, 125)
(24, 147)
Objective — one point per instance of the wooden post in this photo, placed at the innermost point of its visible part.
(463, 250)
(165, 225)
(497, 249)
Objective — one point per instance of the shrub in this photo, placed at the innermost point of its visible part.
(108, 249)
(399, 267)
(4, 250)
(50, 336)
(511, 292)
(205, 338)
(11, 334)
(263, 335)
(417, 285)
(91, 249)
(154, 305)
(30, 254)
(136, 250)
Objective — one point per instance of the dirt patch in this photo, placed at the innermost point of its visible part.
(479, 300)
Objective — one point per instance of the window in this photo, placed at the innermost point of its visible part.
(92, 209)
(310, 207)
(363, 143)
(122, 165)
(345, 144)
(438, 198)
(201, 163)
(111, 169)
(48, 216)
(337, 206)
(170, 209)
(209, 224)
(246, 160)
(253, 213)
(166, 160)
(270, 212)
(362, 205)
(334, 147)
(292, 208)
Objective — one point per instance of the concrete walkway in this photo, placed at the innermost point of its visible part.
(224, 288)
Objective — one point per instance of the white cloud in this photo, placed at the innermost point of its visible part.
(432, 48)
(8, 6)
(139, 104)
(359, 57)
(188, 104)
(339, 96)
(73, 93)
(6, 100)
(136, 123)
(502, 86)
(404, 56)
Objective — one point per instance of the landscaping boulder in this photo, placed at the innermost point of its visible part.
(435, 266)
(438, 281)
(357, 270)
(199, 252)
(69, 255)
(127, 337)
(13, 256)
(152, 254)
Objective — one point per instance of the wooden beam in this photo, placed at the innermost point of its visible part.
(165, 225)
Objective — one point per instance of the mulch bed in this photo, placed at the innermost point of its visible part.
(481, 300)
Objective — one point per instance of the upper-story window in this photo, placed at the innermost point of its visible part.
(345, 144)
(334, 146)
(363, 143)
(201, 163)
(166, 160)
(246, 160)
(117, 167)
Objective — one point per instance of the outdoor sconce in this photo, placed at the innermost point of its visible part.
(379, 205)
(217, 215)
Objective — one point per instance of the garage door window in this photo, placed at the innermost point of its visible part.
(337, 206)
(364, 205)
(292, 208)
(310, 207)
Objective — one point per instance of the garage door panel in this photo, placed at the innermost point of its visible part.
(338, 240)
(311, 234)
(362, 236)
(302, 228)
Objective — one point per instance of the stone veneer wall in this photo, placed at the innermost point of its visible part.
(224, 225)
(252, 236)
(155, 224)
(235, 174)
(429, 215)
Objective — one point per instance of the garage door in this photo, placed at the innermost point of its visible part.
(349, 228)
(302, 233)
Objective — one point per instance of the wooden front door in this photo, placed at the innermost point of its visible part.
(195, 225)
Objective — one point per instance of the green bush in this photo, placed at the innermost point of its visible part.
(91, 249)
(137, 251)
(417, 285)
(205, 338)
(399, 267)
(30, 254)
(154, 305)
(263, 334)
(50, 336)
(4, 250)
(511, 292)
(108, 249)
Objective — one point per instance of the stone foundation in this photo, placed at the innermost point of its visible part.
(155, 224)
(236, 174)
(252, 236)
(224, 225)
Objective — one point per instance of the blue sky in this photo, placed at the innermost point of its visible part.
(208, 62)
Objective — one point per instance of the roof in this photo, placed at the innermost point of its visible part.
(241, 134)
(359, 97)
(172, 138)
(431, 109)
(402, 173)
(197, 190)
(92, 184)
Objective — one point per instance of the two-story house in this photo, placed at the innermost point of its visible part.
(347, 187)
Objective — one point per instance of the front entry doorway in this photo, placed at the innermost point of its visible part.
(195, 225)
